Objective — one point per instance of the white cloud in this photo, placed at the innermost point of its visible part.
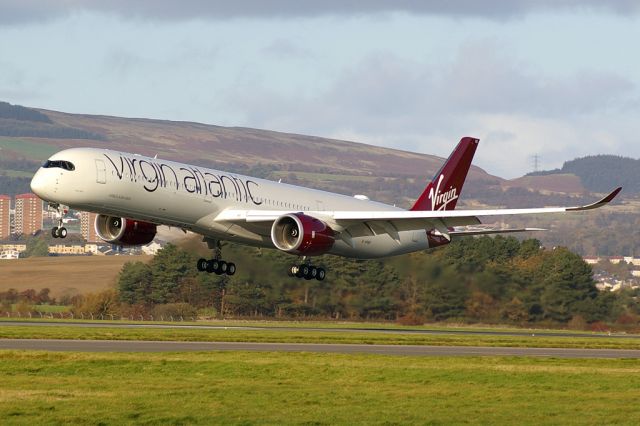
(391, 101)
(12, 11)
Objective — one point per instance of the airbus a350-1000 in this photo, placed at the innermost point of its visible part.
(133, 194)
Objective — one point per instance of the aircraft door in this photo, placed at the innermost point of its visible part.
(101, 172)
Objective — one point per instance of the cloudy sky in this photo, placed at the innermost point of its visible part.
(558, 79)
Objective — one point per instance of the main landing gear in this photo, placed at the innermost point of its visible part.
(216, 265)
(59, 231)
(307, 271)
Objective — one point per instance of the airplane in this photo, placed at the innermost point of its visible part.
(133, 194)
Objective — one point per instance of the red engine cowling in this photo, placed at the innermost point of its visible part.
(123, 231)
(300, 234)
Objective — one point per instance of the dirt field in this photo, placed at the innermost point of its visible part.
(63, 275)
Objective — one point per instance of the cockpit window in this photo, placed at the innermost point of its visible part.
(67, 165)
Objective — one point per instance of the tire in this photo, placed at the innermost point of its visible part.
(62, 232)
(231, 268)
(304, 270)
(54, 232)
(211, 266)
(308, 273)
(321, 275)
(292, 270)
(201, 264)
(222, 267)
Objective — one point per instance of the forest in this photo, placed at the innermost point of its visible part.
(481, 280)
(601, 173)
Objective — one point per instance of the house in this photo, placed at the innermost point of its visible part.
(9, 254)
(151, 248)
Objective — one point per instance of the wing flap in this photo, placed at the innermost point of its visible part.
(490, 231)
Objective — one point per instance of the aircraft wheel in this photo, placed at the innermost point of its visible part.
(54, 232)
(212, 265)
(313, 271)
(222, 267)
(303, 271)
(321, 275)
(231, 268)
(291, 271)
(202, 265)
(62, 232)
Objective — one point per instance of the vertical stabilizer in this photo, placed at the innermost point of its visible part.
(443, 191)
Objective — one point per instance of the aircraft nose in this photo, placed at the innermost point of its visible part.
(39, 185)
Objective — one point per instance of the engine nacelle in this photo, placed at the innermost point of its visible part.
(297, 233)
(123, 231)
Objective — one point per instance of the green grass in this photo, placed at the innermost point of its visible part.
(330, 325)
(301, 336)
(294, 388)
(45, 309)
(31, 150)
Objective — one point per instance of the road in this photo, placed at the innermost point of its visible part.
(154, 346)
(523, 333)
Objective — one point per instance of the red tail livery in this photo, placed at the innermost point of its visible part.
(443, 191)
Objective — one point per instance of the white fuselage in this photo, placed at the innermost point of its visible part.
(191, 198)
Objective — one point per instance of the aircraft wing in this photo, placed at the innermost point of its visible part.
(360, 223)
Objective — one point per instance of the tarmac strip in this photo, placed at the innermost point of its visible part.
(523, 333)
(156, 346)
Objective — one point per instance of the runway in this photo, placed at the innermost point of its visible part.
(155, 346)
(523, 333)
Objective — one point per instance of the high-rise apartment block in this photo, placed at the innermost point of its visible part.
(5, 217)
(28, 217)
(88, 228)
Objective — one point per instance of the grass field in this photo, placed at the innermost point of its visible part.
(301, 336)
(276, 388)
(29, 149)
(63, 275)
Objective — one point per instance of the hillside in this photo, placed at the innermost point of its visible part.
(346, 167)
(387, 175)
(208, 144)
(599, 173)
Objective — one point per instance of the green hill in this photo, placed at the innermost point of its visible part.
(601, 173)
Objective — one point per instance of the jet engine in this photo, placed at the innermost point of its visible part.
(123, 231)
(299, 234)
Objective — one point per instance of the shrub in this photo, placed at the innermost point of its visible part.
(175, 310)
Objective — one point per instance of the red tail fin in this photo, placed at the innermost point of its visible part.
(442, 193)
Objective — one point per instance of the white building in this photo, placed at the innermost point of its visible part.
(9, 254)
(151, 248)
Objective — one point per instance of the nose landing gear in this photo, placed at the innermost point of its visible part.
(216, 265)
(59, 231)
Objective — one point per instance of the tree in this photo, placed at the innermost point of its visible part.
(135, 283)
(169, 266)
(569, 288)
(445, 293)
(103, 303)
(36, 247)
